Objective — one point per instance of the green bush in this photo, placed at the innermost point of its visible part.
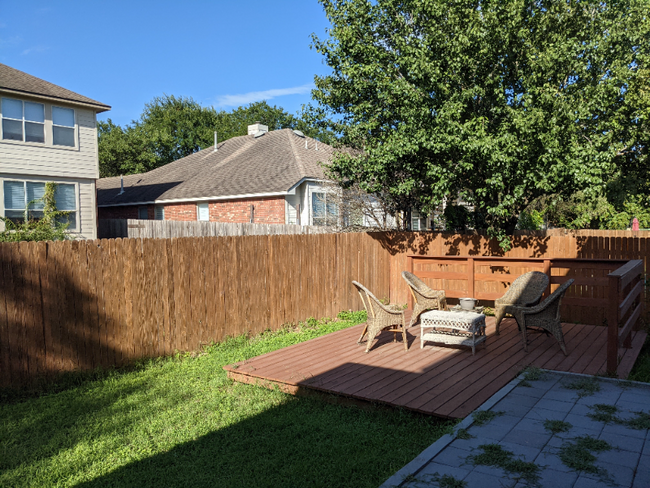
(47, 228)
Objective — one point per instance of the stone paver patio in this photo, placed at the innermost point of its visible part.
(557, 430)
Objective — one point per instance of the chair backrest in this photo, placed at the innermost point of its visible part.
(370, 301)
(415, 282)
(526, 289)
(557, 295)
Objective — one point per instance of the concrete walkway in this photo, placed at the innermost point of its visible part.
(548, 429)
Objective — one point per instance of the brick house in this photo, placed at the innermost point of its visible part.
(264, 177)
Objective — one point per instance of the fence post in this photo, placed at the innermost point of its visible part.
(612, 325)
(547, 272)
(409, 266)
(470, 277)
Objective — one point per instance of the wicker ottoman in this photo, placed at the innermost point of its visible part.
(457, 328)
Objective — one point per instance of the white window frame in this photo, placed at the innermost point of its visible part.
(161, 209)
(199, 206)
(48, 125)
(23, 120)
(77, 210)
(310, 196)
(74, 126)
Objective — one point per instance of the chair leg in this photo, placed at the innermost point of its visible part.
(406, 345)
(522, 325)
(559, 335)
(371, 337)
(365, 329)
(417, 311)
(499, 313)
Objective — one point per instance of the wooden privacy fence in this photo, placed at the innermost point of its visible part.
(77, 305)
(488, 278)
(161, 229)
(603, 245)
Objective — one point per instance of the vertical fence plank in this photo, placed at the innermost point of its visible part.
(6, 326)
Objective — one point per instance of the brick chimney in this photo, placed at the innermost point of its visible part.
(257, 128)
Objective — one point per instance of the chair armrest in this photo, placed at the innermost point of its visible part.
(512, 309)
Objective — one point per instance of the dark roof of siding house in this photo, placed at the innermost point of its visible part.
(15, 81)
(245, 165)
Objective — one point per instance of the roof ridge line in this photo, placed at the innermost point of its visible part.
(301, 166)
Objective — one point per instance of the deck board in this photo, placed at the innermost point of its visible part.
(437, 380)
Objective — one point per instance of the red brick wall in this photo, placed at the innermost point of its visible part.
(267, 210)
(181, 211)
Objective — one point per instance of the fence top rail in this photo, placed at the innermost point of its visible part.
(633, 268)
(540, 260)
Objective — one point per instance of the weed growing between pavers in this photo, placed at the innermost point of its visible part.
(584, 386)
(482, 417)
(531, 373)
(640, 422)
(495, 455)
(557, 426)
(463, 434)
(578, 455)
(448, 481)
(606, 414)
(603, 413)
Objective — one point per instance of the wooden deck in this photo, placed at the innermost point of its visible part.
(441, 381)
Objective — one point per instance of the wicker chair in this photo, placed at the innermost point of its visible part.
(380, 317)
(425, 298)
(525, 291)
(544, 316)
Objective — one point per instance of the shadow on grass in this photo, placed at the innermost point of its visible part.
(302, 442)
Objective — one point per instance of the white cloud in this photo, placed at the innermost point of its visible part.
(257, 96)
(35, 49)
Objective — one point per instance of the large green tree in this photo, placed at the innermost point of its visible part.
(172, 127)
(498, 101)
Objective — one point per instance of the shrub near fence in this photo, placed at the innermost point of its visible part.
(77, 305)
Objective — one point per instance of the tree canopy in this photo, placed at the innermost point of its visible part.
(172, 127)
(499, 102)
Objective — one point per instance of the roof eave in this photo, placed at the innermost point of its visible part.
(202, 199)
(98, 107)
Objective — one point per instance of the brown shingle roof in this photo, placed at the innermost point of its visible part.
(17, 81)
(245, 165)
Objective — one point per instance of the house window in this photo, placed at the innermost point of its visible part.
(23, 121)
(22, 196)
(63, 126)
(159, 212)
(143, 213)
(323, 209)
(418, 222)
(65, 198)
(203, 211)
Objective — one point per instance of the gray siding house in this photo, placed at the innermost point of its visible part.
(48, 134)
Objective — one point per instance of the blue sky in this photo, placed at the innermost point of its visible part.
(223, 53)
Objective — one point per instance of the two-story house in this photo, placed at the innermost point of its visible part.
(48, 134)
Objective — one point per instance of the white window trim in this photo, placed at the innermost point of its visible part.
(23, 120)
(77, 210)
(162, 208)
(47, 130)
(316, 189)
(198, 211)
(75, 132)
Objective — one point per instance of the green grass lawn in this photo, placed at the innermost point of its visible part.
(181, 422)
